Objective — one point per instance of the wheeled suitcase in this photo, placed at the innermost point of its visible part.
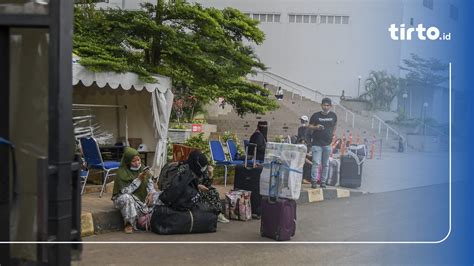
(248, 178)
(333, 174)
(351, 171)
(278, 215)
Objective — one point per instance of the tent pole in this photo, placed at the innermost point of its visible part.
(126, 127)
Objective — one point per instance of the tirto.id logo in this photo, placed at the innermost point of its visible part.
(405, 34)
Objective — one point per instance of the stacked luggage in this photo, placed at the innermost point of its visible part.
(247, 177)
(280, 183)
(351, 166)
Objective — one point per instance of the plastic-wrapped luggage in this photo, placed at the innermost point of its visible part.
(292, 158)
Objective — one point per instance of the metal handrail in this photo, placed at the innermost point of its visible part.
(313, 94)
(381, 122)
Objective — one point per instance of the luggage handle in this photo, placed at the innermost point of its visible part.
(254, 155)
(275, 161)
(358, 162)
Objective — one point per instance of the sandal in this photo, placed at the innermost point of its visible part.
(128, 229)
(305, 181)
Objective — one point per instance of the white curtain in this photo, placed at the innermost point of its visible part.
(162, 103)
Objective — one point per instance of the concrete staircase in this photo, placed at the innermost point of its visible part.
(285, 120)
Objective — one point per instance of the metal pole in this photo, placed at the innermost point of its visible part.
(346, 116)
(380, 126)
(372, 123)
(386, 134)
(353, 120)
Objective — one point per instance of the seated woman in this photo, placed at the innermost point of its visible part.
(208, 194)
(133, 189)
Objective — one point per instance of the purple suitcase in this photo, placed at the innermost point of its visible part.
(278, 219)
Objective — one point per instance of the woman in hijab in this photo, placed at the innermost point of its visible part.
(133, 189)
(259, 137)
(208, 194)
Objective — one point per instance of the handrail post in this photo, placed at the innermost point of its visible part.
(372, 122)
(346, 116)
(353, 120)
(386, 135)
(380, 126)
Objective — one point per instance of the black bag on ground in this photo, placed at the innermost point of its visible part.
(350, 174)
(248, 178)
(167, 221)
(181, 190)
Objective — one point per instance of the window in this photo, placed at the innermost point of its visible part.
(263, 17)
(428, 4)
(299, 18)
(247, 14)
(292, 19)
(412, 22)
(337, 20)
(270, 18)
(323, 19)
(313, 18)
(330, 19)
(276, 18)
(453, 12)
(256, 16)
(345, 20)
(305, 19)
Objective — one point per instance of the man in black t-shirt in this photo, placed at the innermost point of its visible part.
(323, 124)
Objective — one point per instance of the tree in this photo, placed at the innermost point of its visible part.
(381, 88)
(204, 50)
(424, 72)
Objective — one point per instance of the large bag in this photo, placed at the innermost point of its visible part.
(237, 205)
(248, 178)
(168, 172)
(167, 221)
(333, 175)
(181, 190)
(351, 171)
(278, 215)
(292, 158)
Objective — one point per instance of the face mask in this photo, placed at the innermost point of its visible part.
(135, 168)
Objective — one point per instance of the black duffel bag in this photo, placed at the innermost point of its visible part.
(168, 221)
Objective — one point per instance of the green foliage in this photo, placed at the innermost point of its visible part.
(205, 51)
(381, 88)
(178, 126)
(201, 143)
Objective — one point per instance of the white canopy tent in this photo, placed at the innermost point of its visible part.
(161, 101)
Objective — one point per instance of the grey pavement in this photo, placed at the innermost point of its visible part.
(396, 171)
(404, 215)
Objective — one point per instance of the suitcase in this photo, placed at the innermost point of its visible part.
(237, 205)
(292, 158)
(351, 171)
(167, 221)
(333, 175)
(249, 179)
(278, 215)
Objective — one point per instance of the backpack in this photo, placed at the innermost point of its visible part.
(181, 191)
(168, 172)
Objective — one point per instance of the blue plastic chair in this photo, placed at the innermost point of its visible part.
(232, 148)
(219, 158)
(92, 155)
(84, 175)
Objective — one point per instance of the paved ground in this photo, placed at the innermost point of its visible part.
(406, 215)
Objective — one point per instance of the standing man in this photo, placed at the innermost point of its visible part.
(323, 125)
(259, 137)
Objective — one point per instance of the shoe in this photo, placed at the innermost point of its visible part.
(221, 219)
(306, 181)
(314, 185)
(256, 216)
(128, 229)
(323, 185)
